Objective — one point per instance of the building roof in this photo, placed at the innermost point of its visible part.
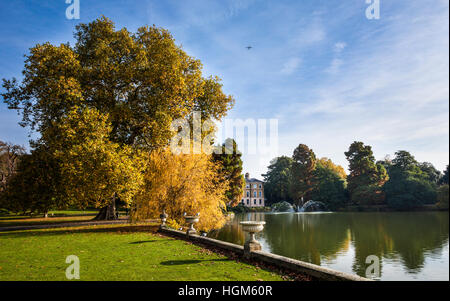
(251, 180)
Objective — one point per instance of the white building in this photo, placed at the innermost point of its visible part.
(253, 192)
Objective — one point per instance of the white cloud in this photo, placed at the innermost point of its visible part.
(313, 33)
(339, 46)
(392, 93)
(334, 66)
(291, 66)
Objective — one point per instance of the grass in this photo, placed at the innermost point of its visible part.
(112, 253)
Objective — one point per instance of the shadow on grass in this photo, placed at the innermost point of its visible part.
(146, 241)
(181, 262)
(91, 229)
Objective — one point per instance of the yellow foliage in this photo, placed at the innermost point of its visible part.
(179, 184)
(325, 162)
(93, 168)
(173, 224)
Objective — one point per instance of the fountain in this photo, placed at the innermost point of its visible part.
(282, 207)
(313, 206)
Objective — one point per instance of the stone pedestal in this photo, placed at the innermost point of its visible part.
(252, 244)
(191, 231)
(191, 220)
(163, 217)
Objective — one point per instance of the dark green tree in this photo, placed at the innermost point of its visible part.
(443, 196)
(302, 173)
(444, 179)
(330, 187)
(229, 158)
(366, 177)
(409, 185)
(276, 180)
(432, 173)
(34, 188)
(404, 160)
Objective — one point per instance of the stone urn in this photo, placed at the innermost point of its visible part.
(163, 217)
(252, 227)
(191, 220)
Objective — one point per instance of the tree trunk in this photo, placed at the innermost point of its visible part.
(108, 213)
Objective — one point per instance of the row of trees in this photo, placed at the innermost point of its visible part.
(400, 183)
(305, 177)
(104, 110)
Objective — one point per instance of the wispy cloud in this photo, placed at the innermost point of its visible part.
(330, 75)
(392, 92)
(335, 66)
(339, 46)
(291, 66)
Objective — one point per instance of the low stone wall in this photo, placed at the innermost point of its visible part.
(312, 270)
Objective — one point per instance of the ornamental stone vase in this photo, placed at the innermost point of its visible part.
(163, 217)
(252, 227)
(191, 220)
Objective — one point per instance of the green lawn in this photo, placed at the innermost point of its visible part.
(116, 253)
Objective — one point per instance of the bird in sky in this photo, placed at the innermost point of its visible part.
(249, 47)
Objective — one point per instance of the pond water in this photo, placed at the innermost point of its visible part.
(409, 245)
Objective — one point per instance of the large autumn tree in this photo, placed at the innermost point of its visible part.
(141, 81)
(94, 170)
(302, 173)
(366, 177)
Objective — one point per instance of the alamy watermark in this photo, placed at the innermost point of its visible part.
(373, 10)
(373, 270)
(73, 270)
(73, 10)
(253, 137)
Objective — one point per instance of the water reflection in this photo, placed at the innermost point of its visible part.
(409, 243)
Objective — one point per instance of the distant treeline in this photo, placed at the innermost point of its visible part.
(400, 183)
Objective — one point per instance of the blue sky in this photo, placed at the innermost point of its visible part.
(326, 72)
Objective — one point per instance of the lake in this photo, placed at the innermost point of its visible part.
(410, 245)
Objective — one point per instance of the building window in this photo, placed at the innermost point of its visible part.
(260, 186)
(248, 186)
(248, 202)
(260, 201)
(248, 194)
(254, 194)
(260, 194)
(255, 186)
(254, 202)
